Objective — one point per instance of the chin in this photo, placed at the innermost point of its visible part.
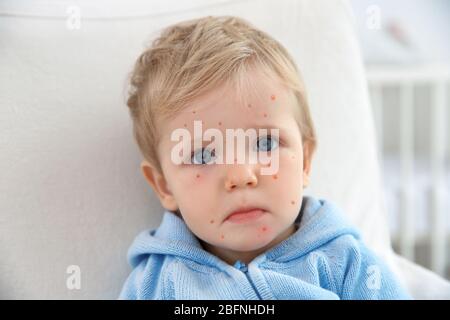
(249, 245)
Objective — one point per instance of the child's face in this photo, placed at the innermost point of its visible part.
(206, 194)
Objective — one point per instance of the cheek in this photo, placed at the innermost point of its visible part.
(194, 177)
(195, 190)
(200, 178)
(287, 182)
(289, 165)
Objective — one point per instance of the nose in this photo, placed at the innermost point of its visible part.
(240, 176)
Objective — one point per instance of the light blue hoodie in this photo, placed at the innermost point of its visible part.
(324, 259)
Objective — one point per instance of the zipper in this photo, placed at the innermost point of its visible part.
(244, 268)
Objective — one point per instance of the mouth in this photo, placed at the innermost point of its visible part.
(245, 214)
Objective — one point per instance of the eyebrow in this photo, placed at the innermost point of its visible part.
(260, 126)
(269, 126)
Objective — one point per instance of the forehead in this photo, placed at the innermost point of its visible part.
(265, 102)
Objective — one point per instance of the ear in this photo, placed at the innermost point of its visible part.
(307, 159)
(159, 185)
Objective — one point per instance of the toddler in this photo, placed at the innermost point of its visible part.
(236, 224)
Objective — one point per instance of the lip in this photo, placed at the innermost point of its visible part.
(245, 214)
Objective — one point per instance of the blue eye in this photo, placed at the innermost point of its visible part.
(267, 143)
(202, 157)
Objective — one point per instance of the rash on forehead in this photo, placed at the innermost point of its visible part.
(215, 111)
(256, 87)
(264, 103)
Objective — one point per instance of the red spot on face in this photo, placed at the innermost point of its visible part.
(275, 176)
(198, 176)
(222, 237)
(265, 115)
(272, 97)
(264, 229)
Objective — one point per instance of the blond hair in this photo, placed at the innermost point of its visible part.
(192, 57)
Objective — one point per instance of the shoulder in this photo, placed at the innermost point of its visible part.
(359, 273)
(149, 279)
